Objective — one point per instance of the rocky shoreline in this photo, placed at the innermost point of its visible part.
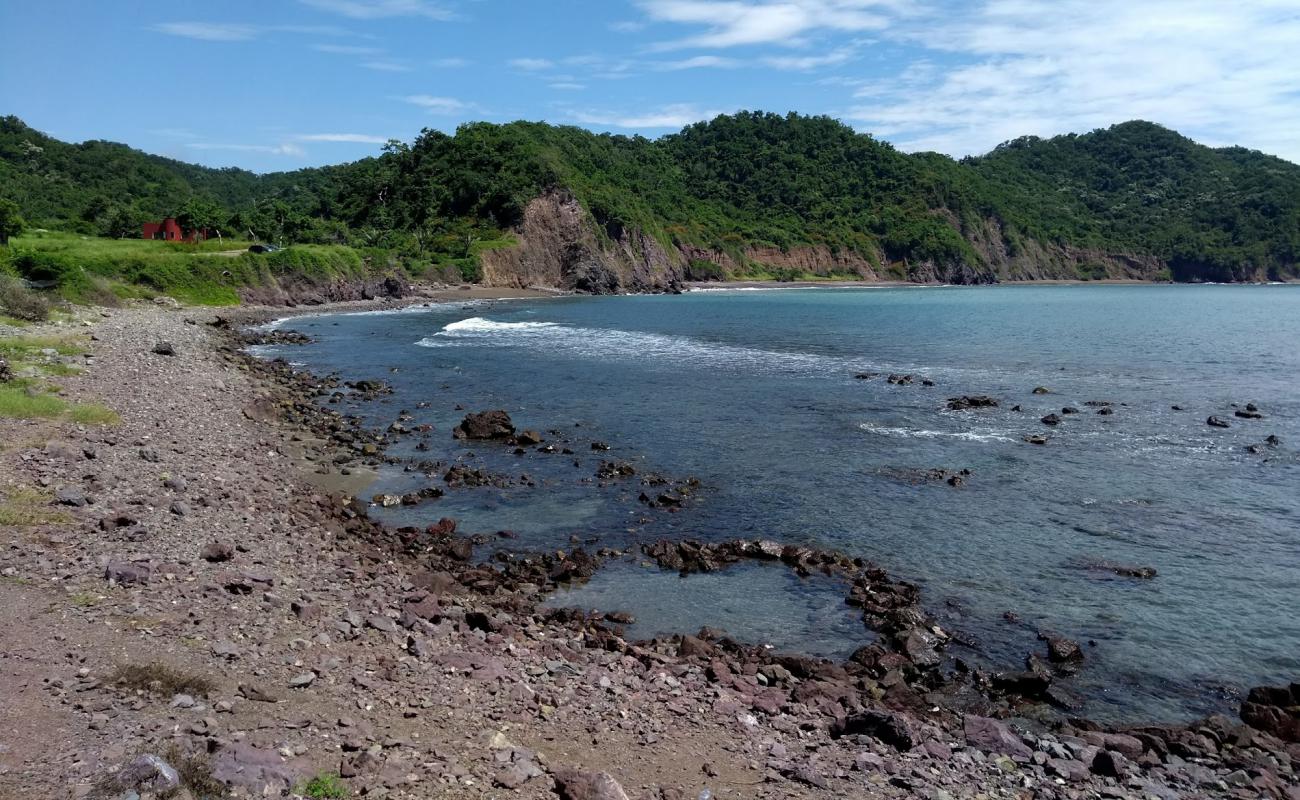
(199, 616)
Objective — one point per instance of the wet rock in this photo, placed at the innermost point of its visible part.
(528, 438)
(495, 424)
(1061, 650)
(572, 784)
(1105, 412)
(1216, 422)
(1035, 438)
(865, 376)
(901, 380)
(148, 773)
(1272, 440)
(1042, 390)
(1247, 414)
(164, 349)
(967, 402)
(992, 736)
(1069, 410)
(1274, 710)
(893, 729)
(1051, 419)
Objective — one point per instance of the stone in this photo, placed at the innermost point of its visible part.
(1274, 710)
(148, 773)
(494, 424)
(126, 573)
(572, 784)
(1216, 422)
(164, 349)
(1067, 768)
(890, 728)
(1061, 650)
(71, 496)
(217, 552)
(260, 772)
(1109, 764)
(992, 736)
(302, 681)
(967, 402)
(1051, 419)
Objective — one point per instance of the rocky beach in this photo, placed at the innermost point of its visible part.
(195, 605)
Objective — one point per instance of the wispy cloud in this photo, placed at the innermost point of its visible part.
(450, 63)
(676, 115)
(381, 9)
(208, 31)
(834, 58)
(385, 66)
(353, 138)
(531, 64)
(567, 86)
(697, 62)
(1221, 73)
(347, 49)
(732, 23)
(438, 105)
(282, 149)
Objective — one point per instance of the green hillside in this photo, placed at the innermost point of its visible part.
(1134, 200)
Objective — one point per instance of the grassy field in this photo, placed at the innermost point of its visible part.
(91, 269)
(35, 360)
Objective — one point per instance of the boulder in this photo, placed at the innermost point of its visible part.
(1061, 650)
(890, 728)
(259, 771)
(494, 424)
(216, 552)
(1274, 710)
(164, 349)
(967, 402)
(1110, 764)
(148, 773)
(1051, 419)
(573, 784)
(126, 573)
(992, 736)
(1215, 422)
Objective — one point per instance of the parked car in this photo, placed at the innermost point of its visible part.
(262, 248)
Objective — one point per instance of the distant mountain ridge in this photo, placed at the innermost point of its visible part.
(745, 195)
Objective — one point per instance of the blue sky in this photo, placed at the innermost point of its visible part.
(280, 84)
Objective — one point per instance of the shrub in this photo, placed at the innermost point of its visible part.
(161, 679)
(325, 786)
(19, 302)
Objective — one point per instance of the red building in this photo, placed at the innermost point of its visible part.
(171, 231)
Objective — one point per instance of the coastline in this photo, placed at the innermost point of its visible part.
(390, 655)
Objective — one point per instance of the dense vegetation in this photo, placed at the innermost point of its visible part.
(736, 182)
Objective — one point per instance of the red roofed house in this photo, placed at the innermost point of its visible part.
(171, 231)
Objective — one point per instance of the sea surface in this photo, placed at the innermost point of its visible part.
(754, 393)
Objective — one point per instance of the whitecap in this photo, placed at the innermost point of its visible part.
(984, 435)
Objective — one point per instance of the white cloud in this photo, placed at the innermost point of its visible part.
(283, 149)
(627, 26)
(437, 105)
(531, 64)
(450, 63)
(697, 62)
(1222, 73)
(804, 63)
(677, 115)
(208, 31)
(354, 138)
(347, 49)
(385, 66)
(380, 9)
(567, 86)
(731, 23)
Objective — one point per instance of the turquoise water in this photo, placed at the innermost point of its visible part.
(754, 393)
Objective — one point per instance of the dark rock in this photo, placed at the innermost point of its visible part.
(691, 646)
(1069, 410)
(1051, 419)
(1274, 710)
(966, 402)
(260, 772)
(494, 424)
(1109, 764)
(1061, 650)
(1248, 414)
(865, 376)
(1035, 438)
(217, 551)
(992, 736)
(1067, 768)
(1105, 411)
(164, 349)
(71, 496)
(890, 728)
(1042, 390)
(1272, 440)
(1215, 422)
(599, 446)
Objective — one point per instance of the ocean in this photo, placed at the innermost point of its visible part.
(763, 396)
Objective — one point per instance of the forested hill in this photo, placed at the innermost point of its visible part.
(750, 194)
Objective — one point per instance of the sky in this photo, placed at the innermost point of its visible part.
(280, 84)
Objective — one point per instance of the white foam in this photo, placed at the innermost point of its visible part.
(985, 435)
(479, 325)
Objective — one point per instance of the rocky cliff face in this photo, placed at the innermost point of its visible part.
(561, 246)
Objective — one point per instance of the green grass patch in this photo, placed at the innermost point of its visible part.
(93, 414)
(24, 507)
(12, 322)
(325, 786)
(24, 348)
(21, 403)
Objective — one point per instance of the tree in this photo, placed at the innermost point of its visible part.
(11, 221)
(201, 213)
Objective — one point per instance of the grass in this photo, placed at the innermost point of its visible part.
(22, 507)
(20, 348)
(17, 403)
(95, 270)
(93, 414)
(325, 786)
(160, 679)
(27, 398)
(12, 322)
(84, 599)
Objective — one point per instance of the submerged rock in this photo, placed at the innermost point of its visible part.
(967, 402)
(495, 424)
(1216, 422)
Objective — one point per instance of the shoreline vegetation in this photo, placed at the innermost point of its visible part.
(240, 631)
